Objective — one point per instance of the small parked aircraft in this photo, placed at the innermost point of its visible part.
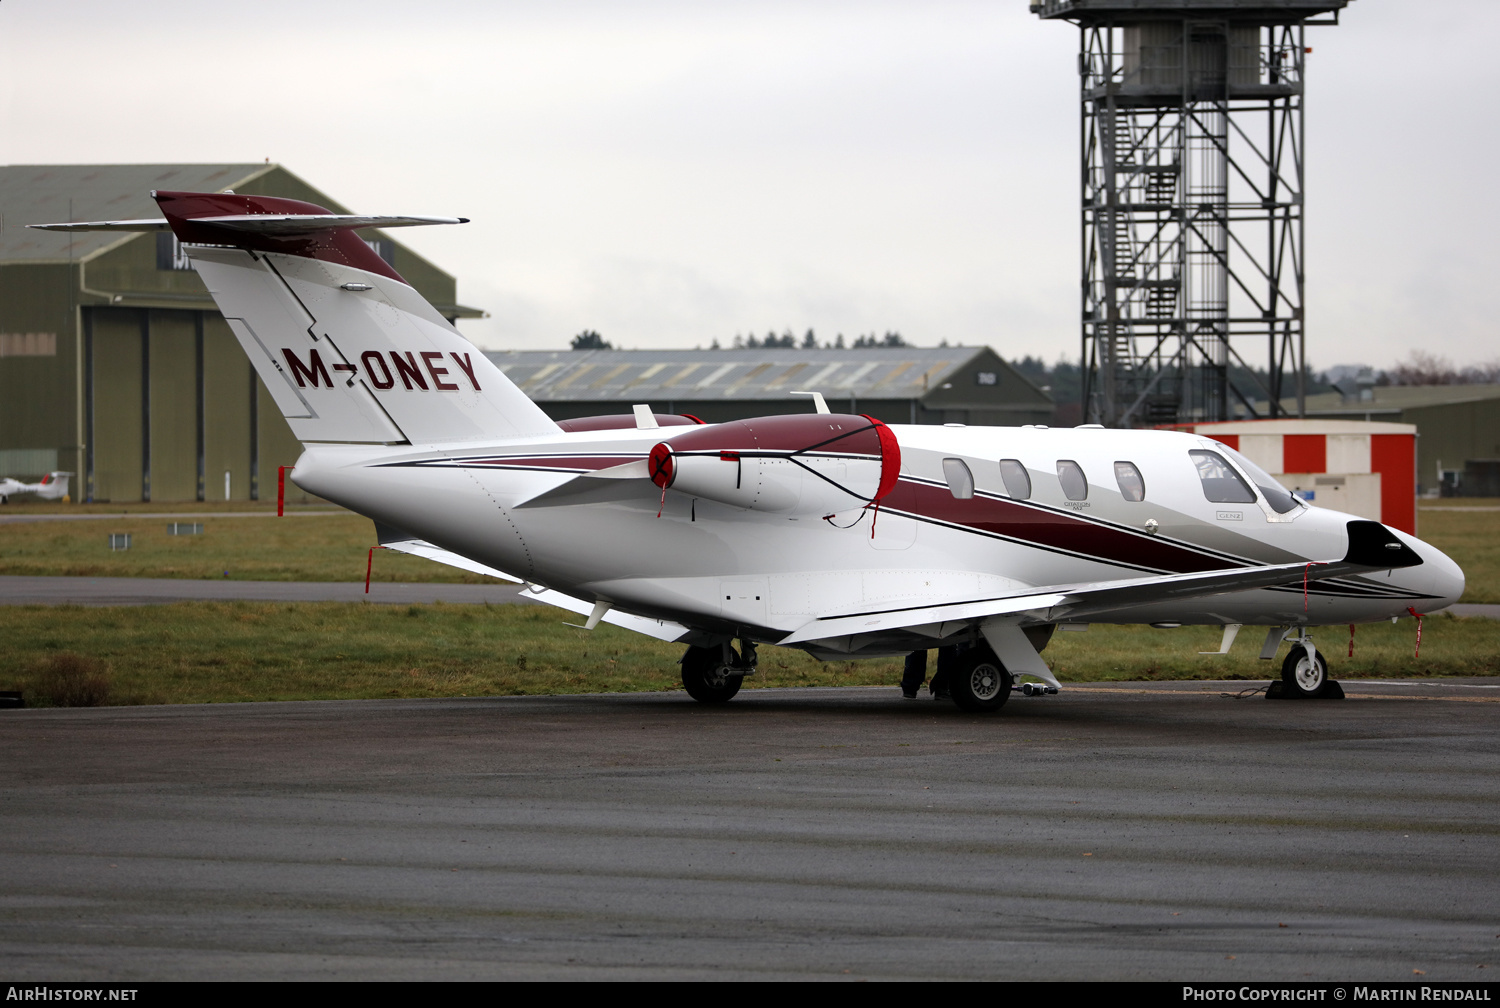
(834, 533)
(53, 486)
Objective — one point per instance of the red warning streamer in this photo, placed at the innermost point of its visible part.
(1418, 649)
(369, 566)
(281, 490)
(1317, 563)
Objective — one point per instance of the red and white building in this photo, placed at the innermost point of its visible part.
(1367, 469)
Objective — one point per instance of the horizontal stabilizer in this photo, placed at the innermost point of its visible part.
(272, 224)
(159, 224)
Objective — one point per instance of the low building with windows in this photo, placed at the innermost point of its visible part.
(114, 362)
(916, 385)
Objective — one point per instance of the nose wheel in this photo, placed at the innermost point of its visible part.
(1304, 675)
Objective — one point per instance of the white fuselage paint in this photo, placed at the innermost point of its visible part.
(722, 569)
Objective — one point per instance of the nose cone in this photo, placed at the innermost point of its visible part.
(1447, 577)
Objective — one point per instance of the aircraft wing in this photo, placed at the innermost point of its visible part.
(595, 487)
(401, 542)
(395, 539)
(664, 630)
(1371, 547)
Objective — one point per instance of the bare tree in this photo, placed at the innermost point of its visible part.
(1423, 368)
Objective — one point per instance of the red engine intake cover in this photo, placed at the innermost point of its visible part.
(842, 435)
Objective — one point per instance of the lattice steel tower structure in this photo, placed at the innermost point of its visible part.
(1192, 172)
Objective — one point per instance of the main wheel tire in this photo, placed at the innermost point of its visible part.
(705, 676)
(1302, 676)
(979, 683)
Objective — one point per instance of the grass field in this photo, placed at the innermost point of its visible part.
(213, 652)
(1469, 534)
(326, 546)
(222, 652)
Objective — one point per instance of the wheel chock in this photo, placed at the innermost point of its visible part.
(1331, 691)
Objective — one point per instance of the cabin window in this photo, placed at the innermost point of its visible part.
(1221, 484)
(1075, 485)
(1132, 486)
(960, 479)
(1017, 480)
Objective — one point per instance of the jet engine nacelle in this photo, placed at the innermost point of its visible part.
(803, 464)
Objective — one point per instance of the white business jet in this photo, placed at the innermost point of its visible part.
(834, 533)
(53, 486)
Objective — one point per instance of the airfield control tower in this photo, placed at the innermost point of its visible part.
(1192, 156)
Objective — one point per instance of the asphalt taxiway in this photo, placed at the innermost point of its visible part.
(1120, 831)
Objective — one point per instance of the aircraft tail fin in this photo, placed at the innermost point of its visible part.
(348, 350)
(54, 486)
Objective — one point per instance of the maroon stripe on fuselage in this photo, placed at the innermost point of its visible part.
(551, 463)
(1051, 529)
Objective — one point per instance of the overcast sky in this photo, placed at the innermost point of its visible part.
(670, 172)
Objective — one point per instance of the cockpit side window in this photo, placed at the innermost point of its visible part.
(1075, 485)
(1132, 485)
(1221, 484)
(1017, 479)
(1276, 495)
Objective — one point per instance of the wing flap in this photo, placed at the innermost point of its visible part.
(1075, 601)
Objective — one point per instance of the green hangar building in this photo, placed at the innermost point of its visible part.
(115, 364)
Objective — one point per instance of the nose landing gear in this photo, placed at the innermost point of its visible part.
(1304, 674)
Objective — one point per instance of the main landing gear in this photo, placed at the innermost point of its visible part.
(714, 674)
(978, 682)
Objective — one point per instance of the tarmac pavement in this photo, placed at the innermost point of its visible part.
(1115, 831)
